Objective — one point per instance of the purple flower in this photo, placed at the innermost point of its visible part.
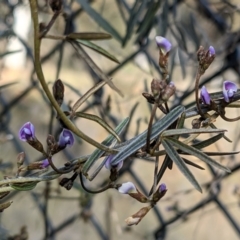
(27, 132)
(162, 187)
(65, 138)
(127, 187)
(205, 96)
(45, 163)
(211, 51)
(108, 163)
(163, 43)
(229, 88)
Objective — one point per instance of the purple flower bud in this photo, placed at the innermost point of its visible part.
(45, 163)
(108, 163)
(229, 88)
(162, 187)
(163, 43)
(205, 96)
(211, 51)
(66, 138)
(27, 132)
(127, 187)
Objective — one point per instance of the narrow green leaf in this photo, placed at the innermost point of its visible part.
(192, 164)
(99, 19)
(89, 36)
(207, 142)
(221, 153)
(174, 132)
(224, 136)
(140, 140)
(98, 120)
(98, 152)
(98, 49)
(197, 153)
(172, 153)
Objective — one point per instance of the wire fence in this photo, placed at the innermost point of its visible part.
(187, 26)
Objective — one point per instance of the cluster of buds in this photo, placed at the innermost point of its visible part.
(27, 134)
(205, 57)
(229, 88)
(130, 189)
(161, 91)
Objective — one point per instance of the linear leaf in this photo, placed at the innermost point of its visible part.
(174, 132)
(99, 19)
(98, 152)
(98, 120)
(224, 136)
(197, 153)
(98, 49)
(140, 140)
(207, 142)
(172, 153)
(221, 153)
(192, 164)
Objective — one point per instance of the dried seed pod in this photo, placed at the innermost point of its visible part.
(58, 91)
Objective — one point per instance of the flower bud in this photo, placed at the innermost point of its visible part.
(205, 97)
(205, 58)
(109, 166)
(58, 91)
(20, 159)
(163, 44)
(137, 217)
(161, 191)
(168, 91)
(127, 188)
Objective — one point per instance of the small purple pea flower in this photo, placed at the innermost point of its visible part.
(211, 51)
(163, 44)
(229, 88)
(27, 132)
(45, 163)
(205, 96)
(127, 188)
(162, 188)
(65, 138)
(108, 163)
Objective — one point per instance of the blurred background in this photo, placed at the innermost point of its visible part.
(52, 212)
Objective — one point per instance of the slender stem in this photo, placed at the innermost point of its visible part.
(199, 74)
(155, 172)
(50, 24)
(229, 119)
(40, 75)
(93, 191)
(58, 170)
